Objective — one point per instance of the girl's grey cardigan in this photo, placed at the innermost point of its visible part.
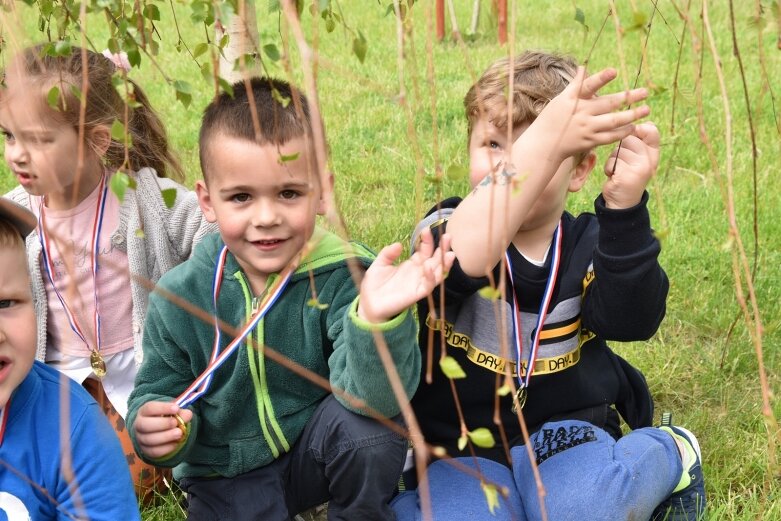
(168, 237)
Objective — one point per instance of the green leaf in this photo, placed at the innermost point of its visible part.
(287, 158)
(224, 41)
(489, 293)
(206, 72)
(227, 87)
(491, 496)
(200, 49)
(451, 368)
(272, 52)
(314, 303)
(76, 92)
(324, 4)
(134, 57)
(53, 98)
(117, 131)
(503, 390)
(62, 48)
(580, 16)
(183, 92)
(482, 437)
(169, 197)
(360, 47)
(140, 233)
(112, 45)
(462, 443)
(639, 19)
(330, 24)
(457, 172)
(151, 12)
(119, 183)
(183, 86)
(282, 100)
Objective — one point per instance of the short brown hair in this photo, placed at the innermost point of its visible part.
(538, 77)
(282, 114)
(10, 238)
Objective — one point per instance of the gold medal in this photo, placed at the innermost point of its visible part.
(97, 363)
(520, 399)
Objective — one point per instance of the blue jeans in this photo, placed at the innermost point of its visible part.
(352, 461)
(587, 475)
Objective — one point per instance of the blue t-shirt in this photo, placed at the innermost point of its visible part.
(33, 483)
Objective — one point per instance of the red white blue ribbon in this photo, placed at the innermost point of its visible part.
(4, 413)
(523, 379)
(97, 226)
(201, 384)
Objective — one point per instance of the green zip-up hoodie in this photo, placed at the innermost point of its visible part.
(255, 408)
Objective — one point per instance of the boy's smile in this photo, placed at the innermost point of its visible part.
(264, 206)
(17, 321)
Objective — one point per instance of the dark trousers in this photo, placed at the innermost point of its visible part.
(349, 460)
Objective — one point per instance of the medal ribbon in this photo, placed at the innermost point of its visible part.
(201, 384)
(4, 413)
(523, 380)
(94, 251)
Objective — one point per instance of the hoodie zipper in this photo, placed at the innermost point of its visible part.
(257, 367)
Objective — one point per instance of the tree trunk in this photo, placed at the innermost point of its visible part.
(242, 31)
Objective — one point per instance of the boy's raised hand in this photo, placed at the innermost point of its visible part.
(578, 120)
(387, 289)
(158, 432)
(631, 166)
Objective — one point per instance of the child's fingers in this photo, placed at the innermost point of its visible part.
(388, 254)
(649, 134)
(150, 424)
(426, 243)
(156, 439)
(591, 84)
(616, 100)
(615, 120)
(158, 409)
(158, 451)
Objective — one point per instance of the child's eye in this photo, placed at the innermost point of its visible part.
(288, 194)
(7, 135)
(494, 145)
(6, 303)
(240, 198)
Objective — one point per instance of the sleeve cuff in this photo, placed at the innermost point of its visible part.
(623, 231)
(372, 326)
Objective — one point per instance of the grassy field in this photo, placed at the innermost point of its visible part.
(384, 150)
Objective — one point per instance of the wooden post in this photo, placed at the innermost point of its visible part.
(502, 8)
(440, 20)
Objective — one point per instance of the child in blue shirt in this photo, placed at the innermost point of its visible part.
(44, 476)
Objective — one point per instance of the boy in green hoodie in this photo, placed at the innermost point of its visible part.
(257, 439)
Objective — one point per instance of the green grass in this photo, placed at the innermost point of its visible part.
(699, 366)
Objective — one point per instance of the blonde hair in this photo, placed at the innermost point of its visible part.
(538, 77)
(149, 142)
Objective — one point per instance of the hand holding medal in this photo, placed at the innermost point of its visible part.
(161, 428)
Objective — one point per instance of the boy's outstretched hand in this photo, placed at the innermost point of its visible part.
(387, 289)
(158, 432)
(578, 119)
(631, 166)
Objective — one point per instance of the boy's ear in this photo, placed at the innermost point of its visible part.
(582, 170)
(325, 195)
(100, 139)
(204, 200)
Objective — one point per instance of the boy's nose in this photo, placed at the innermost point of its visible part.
(264, 215)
